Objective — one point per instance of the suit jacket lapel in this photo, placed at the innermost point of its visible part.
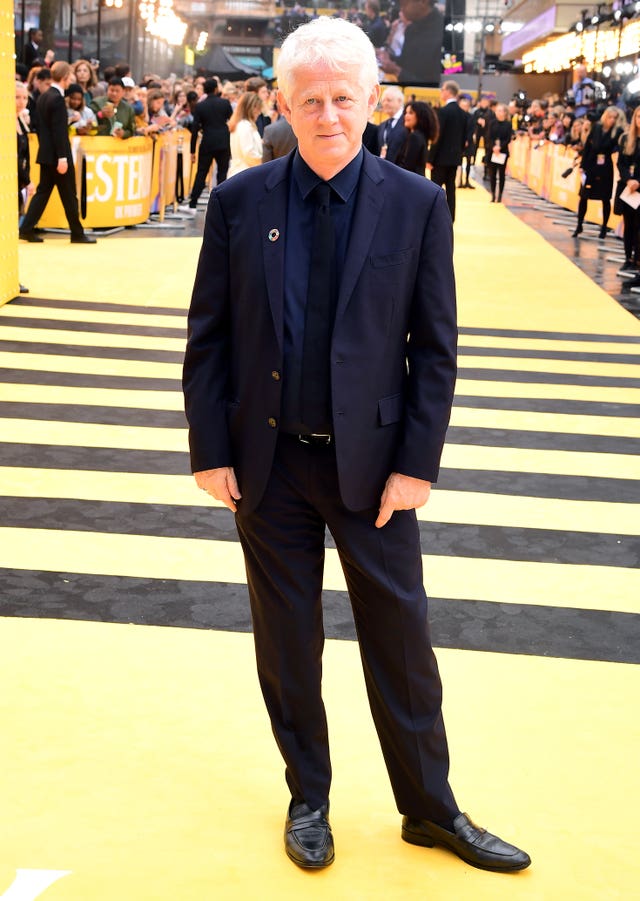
(365, 219)
(272, 219)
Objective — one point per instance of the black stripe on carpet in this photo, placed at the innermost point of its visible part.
(585, 357)
(98, 306)
(595, 444)
(86, 413)
(462, 624)
(546, 405)
(442, 539)
(545, 378)
(90, 327)
(100, 459)
(551, 336)
(86, 380)
(79, 350)
(533, 484)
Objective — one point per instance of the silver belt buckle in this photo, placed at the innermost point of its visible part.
(315, 439)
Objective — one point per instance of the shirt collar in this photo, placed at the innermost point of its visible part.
(344, 183)
(57, 87)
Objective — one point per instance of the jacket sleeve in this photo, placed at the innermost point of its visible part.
(59, 129)
(206, 363)
(431, 350)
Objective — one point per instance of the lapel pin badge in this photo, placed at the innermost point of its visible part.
(273, 235)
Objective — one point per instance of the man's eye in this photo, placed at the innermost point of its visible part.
(342, 98)
(310, 101)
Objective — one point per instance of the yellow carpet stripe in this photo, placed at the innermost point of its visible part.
(537, 460)
(33, 431)
(106, 317)
(513, 511)
(88, 338)
(169, 726)
(173, 400)
(196, 559)
(89, 365)
(92, 397)
(550, 344)
(444, 506)
(535, 364)
(547, 391)
(572, 423)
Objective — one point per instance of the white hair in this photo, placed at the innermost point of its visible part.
(394, 92)
(331, 43)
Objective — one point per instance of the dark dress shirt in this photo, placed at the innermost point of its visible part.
(300, 218)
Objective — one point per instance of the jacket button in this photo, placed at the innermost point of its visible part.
(271, 422)
(275, 375)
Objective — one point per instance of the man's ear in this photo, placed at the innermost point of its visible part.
(284, 107)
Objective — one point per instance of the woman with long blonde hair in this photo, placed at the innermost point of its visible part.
(246, 143)
(629, 170)
(597, 167)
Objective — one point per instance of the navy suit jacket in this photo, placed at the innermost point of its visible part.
(393, 348)
(395, 139)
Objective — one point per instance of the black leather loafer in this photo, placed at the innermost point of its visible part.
(31, 237)
(471, 843)
(83, 239)
(307, 836)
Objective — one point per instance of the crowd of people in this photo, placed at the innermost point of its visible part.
(237, 125)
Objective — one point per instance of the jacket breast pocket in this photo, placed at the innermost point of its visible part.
(386, 260)
(390, 409)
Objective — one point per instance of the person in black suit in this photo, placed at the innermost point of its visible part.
(318, 386)
(55, 160)
(278, 140)
(446, 154)
(32, 49)
(391, 133)
(210, 116)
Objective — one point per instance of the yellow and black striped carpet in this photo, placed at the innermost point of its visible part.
(137, 762)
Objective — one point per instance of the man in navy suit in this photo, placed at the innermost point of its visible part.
(391, 133)
(293, 440)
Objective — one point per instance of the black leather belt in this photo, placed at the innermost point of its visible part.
(315, 440)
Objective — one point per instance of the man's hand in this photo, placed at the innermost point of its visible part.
(62, 167)
(221, 484)
(401, 493)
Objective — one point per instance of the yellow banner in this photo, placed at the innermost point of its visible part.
(113, 182)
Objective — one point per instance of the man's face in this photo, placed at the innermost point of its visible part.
(115, 93)
(37, 38)
(328, 112)
(390, 104)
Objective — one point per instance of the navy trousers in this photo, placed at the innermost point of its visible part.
(283, 543)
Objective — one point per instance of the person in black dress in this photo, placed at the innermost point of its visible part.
(421, 122)
(597, 167)
(629, 169)
(500, 136)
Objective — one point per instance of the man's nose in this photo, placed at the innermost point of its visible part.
(328, 113)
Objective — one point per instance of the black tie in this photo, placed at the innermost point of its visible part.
(321, 302)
